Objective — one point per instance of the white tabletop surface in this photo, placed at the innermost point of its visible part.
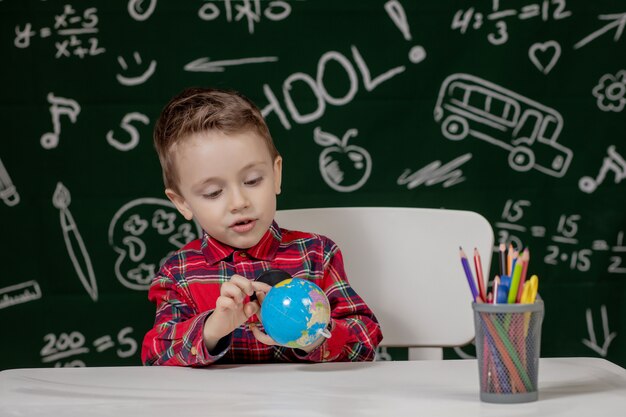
(567, 387)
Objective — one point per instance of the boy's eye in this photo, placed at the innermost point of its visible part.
(212, 195)
(253, 181)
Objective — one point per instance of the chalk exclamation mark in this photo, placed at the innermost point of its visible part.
(396, 12)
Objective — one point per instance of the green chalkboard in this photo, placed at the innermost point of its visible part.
(515, 110)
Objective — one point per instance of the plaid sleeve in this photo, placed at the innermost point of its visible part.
(176, 338)
(355, 332)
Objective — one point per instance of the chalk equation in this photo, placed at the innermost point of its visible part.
(546, 11)
(74, 33)
(249, 10)
(564, 248)
(62, 349)
(145, 232)
(470, 106)
(617, 264)
(19, 293)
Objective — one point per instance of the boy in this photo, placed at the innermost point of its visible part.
(220, 167)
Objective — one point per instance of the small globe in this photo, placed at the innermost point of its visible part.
(295, 313)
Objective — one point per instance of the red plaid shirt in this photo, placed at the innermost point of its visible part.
(188, 284)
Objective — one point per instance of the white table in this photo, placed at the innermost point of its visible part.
(567, 386)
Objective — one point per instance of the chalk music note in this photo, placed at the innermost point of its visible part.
(74, 242)
(59, 106)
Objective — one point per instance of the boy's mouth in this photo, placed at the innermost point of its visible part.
(243, 225)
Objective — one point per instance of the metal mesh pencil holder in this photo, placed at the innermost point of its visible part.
(508, 340)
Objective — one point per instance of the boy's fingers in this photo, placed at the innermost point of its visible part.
(260, 336)
(243, 283)
(250, 309)
(225, 303)
(260, 286)
(231, 291)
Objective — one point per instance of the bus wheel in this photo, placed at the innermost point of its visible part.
(455, 128)
(521, 159)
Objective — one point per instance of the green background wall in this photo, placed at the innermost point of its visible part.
(536, 145)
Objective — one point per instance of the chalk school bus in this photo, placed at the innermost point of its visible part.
(468, 105)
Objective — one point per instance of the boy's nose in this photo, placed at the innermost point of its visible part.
(239, 200)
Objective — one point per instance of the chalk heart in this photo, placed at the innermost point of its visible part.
(545, 55)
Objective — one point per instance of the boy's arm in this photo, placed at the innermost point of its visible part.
(355, 332)
(177, 335)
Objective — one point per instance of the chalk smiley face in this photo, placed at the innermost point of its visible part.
(343, 167)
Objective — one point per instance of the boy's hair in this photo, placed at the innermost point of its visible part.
(197, 110)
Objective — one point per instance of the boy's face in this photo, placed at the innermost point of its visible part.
(229, 184)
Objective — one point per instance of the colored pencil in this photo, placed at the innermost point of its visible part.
(494, 291)
(525, 260)
(509, 260)
(502, 258)
(515, 279)
(468, 274)
(479, 275)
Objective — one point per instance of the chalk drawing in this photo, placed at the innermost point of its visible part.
(592, 342)
(343, 167)
(206, 65)
(470, 106)
(144, 232)
(59, 106)
(137, 79)
(544, 55)
(19, 293)
(617, 21)
(8, 192)
(74, 244)
(137, 11)
(611, 92)
(435, 173)
(614, 162)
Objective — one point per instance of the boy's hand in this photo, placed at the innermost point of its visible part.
(230, 311)
(258, 334)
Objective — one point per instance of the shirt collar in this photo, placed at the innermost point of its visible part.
(215, 251)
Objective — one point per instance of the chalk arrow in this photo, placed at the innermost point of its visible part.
(617, 21)
(591, 342)
(206, 65)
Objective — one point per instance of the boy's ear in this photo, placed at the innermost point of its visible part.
(278, 174)
(180, 203)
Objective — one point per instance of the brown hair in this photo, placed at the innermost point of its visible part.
(198, 110)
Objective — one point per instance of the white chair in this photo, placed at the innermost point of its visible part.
(405, 264)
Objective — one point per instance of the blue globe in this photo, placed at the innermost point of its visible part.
(295, 313)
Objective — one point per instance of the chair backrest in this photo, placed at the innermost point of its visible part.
(405, 264)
